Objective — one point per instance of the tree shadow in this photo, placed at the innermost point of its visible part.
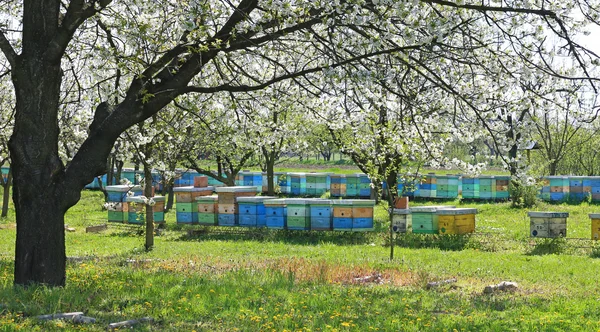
(548, 246)
(301, 237)
(451, 242)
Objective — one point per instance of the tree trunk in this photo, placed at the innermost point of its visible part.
(39, 203)
(6, 194)
(149, 209)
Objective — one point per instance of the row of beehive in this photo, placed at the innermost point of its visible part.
(434, 220)
(570, 188)
(237, 206)
(451, 186)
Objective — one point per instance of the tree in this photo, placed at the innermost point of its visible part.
(167, 49)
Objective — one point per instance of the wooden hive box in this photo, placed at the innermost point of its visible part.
(362, 214)
(595, 218)
(456, 221)
(276, 213)
(207, 210)
(425, 219)
(298, 214)
(401, 221)
(548, 224)
(321, 214)
(251, 211)
(342, 214)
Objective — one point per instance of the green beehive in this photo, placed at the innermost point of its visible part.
(425, 220)
(298, 214)
(352, 185)
(207, 210)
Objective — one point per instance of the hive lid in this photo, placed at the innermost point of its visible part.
(207, 198)
(253, 199)
(298, 201)
(362, 202)
(296, 174)
(456, 211)
(487, 177)
(537, 214)
(342, 201)
(236, 189)
(319, 201)
(159, 198)
(123, 188)
(401, 211)
(276, 201)
(136, 199)
(338, 175)
(193, 189)
(594, 215)
(431, 208)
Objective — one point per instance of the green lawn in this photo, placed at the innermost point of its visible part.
(251, 280)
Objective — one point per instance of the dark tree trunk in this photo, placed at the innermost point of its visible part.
(6, 193)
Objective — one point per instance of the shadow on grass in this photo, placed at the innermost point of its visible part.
(548, 247)
(302, 237)
(444, 242)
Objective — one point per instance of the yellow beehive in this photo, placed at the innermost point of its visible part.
(595, 225)
(456, 221)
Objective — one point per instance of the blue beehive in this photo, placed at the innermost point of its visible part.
(251, 211)
(276, 213)
(576, 188)
(297, 183)
(337, 185)
(364, 186)
(342, 214)
(470, 188)
(321, 214)
(118, 193)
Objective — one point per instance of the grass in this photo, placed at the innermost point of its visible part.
(230, 279)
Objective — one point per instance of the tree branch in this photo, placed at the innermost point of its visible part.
(8, 50)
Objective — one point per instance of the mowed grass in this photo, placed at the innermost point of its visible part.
(228, 279)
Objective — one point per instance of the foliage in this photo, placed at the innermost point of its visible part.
(523, 194)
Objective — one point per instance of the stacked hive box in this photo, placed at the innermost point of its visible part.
(442, 186)
(186, 207)
(283, 181)
(364, 186)
(129, 174)
(362, 214)
(595, 188)
(487, 187)
(587, 187)
(228, 206)
(320, 214)
(425, 219)
(338, 185)
(342, 215)
(401, 221)
(548, 224)
(555, 188)
(502, 182)
(316, 183)
(470, 188)
(576, 193)
(207, 210)
(253, 179)
(276, 213)
(117, 206)
(136, 208)
(200, 181)
(453, 181)
(352, 184)
(298, 214)
(456, 221)
(251, 211)
(428, 186)
(595, 218)
(297, 183)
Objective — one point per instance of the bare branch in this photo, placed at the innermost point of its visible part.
(8, 50)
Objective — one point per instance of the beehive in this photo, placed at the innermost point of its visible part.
(118, 193)
(595, 187)
(548, 224)
(158, 209)
(362, 214)
(425, 219)
(456, 221)
(558, 188)
(352, 184)
(470, 188)
(201, 181)
(251, 211)
(265, 181)
(595, 218)
(428, 186)
(207, 210)
(408, 186)
(316, 183)
(320, 214)
(117, 212)
(298, 214)
(297, 183)
(576, 193)
(401, 221)
(487, 187)
(129, 174)
(136, 208)
(342, 214)
(276, 213)
(227, 203)
(501, 192)
(338, 185)
(185, 199)
(363, 186)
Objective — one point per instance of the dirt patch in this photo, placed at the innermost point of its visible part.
(8, 226)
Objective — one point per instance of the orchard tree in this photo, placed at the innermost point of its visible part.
(170, 48)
